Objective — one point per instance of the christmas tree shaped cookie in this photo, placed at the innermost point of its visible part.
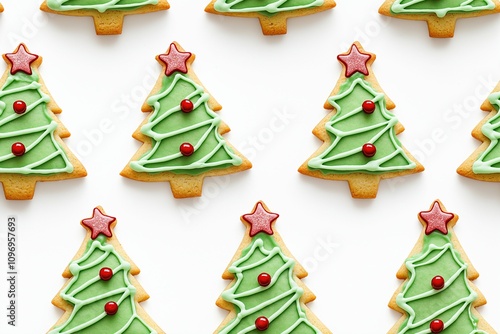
(182, 137)
(266, 293)
(31, 148)
(438, 295)
(107, 14)
(359, 134)
(441, 16)
(272, 14)
(484, 163)
(102, 294)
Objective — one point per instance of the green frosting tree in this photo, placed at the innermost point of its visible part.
(266, 294)
(31, 148)
(102, 296)
(360, 133)
(108, 15)
(440, 15)
(438, 295)
(484, 163)
(182, 137)
(272, 14)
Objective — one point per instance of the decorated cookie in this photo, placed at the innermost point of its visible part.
(182, 136)
(441, 15)
(266, 293)
(272, 14)
(437, 295)
(102, 294)
(359, 134)
(484, 163)
(1, 8)
(107, 14)
(31, 148)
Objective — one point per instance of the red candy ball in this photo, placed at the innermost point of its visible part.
(264, 279)
(369, 150)
(437, 282)
(437, 326)
(187, 106)
(111, 308)
(262, 323)
(105, 273)
(19, 107)
(18, 149)
(368, 106)
(186, 149)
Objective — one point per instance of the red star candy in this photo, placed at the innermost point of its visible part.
(99, 223)
(175, 60)
(260, 220)
(21, 60)
(436, 219)
(354, 61)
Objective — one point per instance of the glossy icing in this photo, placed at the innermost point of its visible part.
(34, 128)
(265, 6)
(98, 5)
(441, 8)
(489, 161)
(169, 127)
(350, 128)
(89, 294)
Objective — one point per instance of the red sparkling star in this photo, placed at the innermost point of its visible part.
(354, 61)
(436, 219)
(260, 220)
(175, 60)
(99, 223)
(21, 60)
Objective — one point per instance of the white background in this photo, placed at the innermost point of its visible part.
(272, 90)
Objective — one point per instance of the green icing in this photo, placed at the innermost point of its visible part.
(489, 161)
(99, 5)
(169, 127)
(423, 304)
(350, 128)
(264, 6)
(88, 293)
(440, 8)
(34, 128)
(279, 302)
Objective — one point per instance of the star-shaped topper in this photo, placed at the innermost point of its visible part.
(99, 224)
(260, 220)
(21, 60)
(436, 219)
(355, 61)
(175, 60)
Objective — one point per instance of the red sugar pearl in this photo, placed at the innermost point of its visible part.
(18, 149)
(368, 106)
(19, 107)
(187, 106)
(111, 308)
(369, 150)
(262, 323)
(437, 326)
(105, 273)
(264, 279)
(186, 149)
(437, 282)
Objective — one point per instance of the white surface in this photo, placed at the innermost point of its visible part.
(352, 248)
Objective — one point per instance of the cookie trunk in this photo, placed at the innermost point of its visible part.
(364, 187)
(275, 25)
(108, 25)
(441, 27)
(185, 186)
(16, 189)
